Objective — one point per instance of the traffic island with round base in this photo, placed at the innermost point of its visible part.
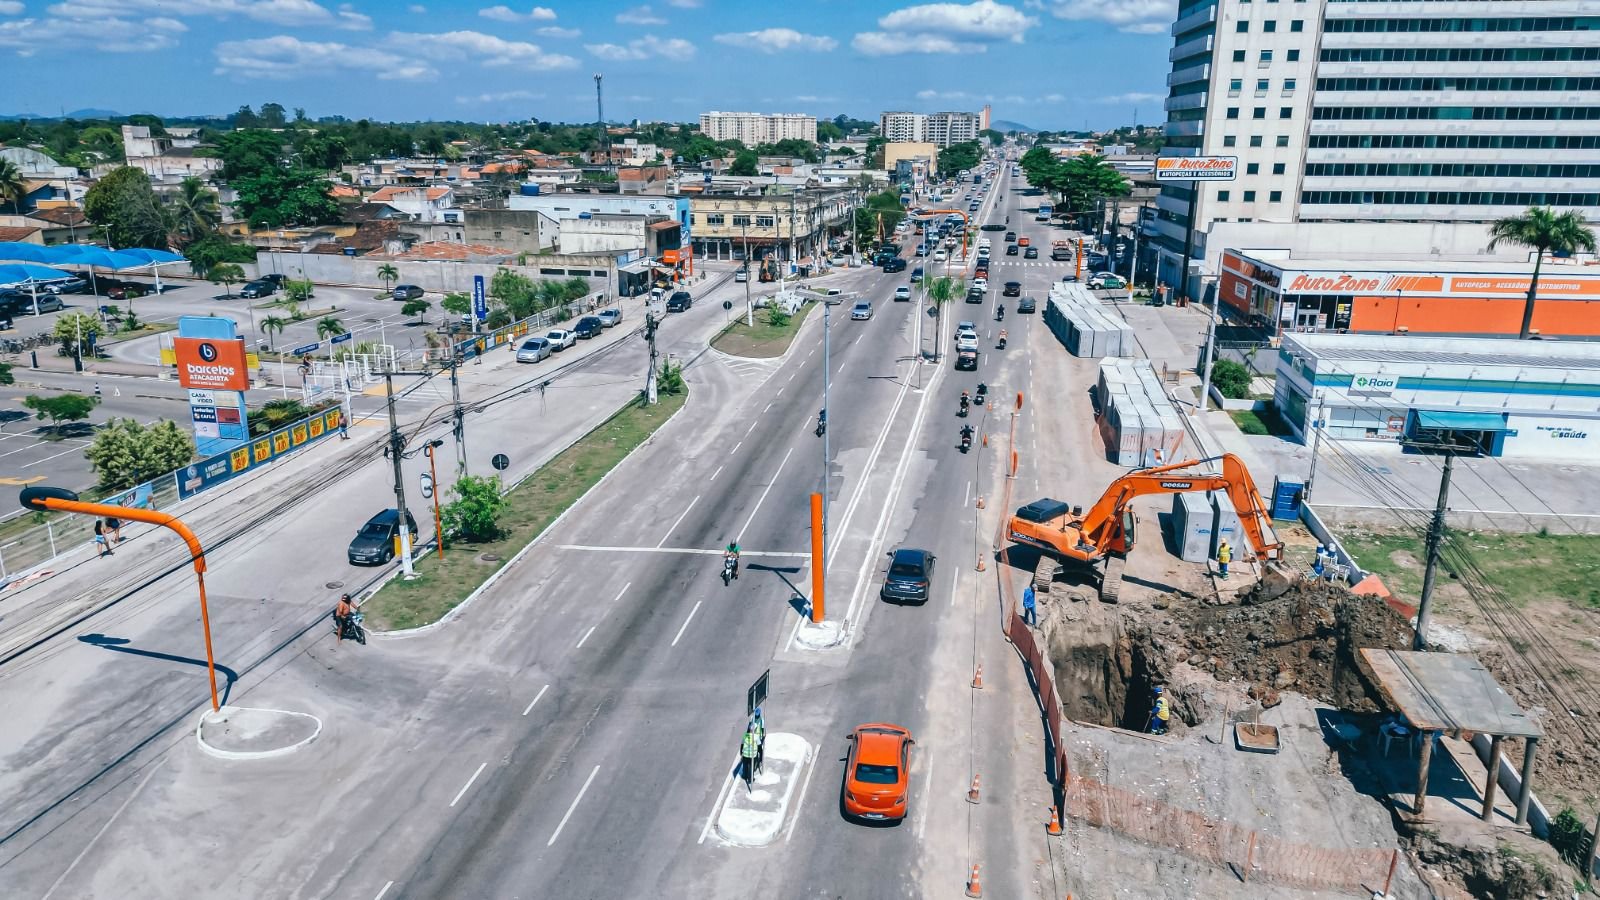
(823, 635)
(245, 733)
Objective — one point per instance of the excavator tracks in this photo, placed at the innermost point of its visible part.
(1111, 579)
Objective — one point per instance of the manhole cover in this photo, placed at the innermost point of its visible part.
(489, 557)
(334, 585)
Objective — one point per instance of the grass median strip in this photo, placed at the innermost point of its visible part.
(1527, 567)
(442, 584)
(763, 340)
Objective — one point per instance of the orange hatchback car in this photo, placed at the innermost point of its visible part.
(877, 774)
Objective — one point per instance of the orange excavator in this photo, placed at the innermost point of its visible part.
(1106, 531)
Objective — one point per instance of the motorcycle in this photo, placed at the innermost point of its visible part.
(999, 313)
(1002, 344)
(965, 403)
(966, 441)
(730, 569)
(983, 391)
(352, 627)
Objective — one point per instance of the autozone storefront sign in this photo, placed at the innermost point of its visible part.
(1359, 282)
(1197, 168)
(209, 364)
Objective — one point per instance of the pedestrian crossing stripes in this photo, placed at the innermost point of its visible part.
(745, 368)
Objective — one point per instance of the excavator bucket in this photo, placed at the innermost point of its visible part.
(1276, 579)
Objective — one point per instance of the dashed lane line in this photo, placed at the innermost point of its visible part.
(536, 698)
(575, 801)
(678, 521)
(463, 792)
(686, 621)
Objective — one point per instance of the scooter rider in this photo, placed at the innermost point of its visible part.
(822, 422)
(341, 615)
(1002, 339)
(966, 436)
(731, 555)
(965, 402)
(999, 312)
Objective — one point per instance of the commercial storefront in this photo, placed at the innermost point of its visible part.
(1436, 296)
(1530, 399)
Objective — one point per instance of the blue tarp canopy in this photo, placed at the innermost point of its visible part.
(1457, 420)
(85, 255)
(22, 273)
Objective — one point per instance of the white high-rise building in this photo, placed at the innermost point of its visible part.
(1393, 111)
(941, 128)
(758, 128)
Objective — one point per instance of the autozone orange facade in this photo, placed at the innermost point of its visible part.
(1300, 296)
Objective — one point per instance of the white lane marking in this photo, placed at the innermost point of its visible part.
(793, 374)
(678, 521)
(780, 391)
(955, 579)
(927, 787)
(463, 792)
(581, 791)
(765, 411)
(739, 538)
(795, 817)
(736, 447)
(843, 527)
(726, 784)
(585, 637)
(754, 424)
(384, 891)
(685, 626)
(620, 593)
(77, 449)
(536, 699)
(967, 497)
(715, 474)
(106, 827)
(691, 550)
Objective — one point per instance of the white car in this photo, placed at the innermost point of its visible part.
(903, 292)
(1106, 281)
(967, 340)
(861, 311)
(981, 284)
(984, 243)
(939, 256)
(560, 339)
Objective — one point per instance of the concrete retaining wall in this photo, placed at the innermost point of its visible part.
(360, 271)
(1316, 522)
(1466, 519)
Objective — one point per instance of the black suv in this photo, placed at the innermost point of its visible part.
(910, 574)
(1012, 289)
(261, 287)
(588, 327)
(374, 544)
(679, 302)
(1026, 305)
(894, 265)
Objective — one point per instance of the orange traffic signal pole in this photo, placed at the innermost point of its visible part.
(63, 500)
(817, 577)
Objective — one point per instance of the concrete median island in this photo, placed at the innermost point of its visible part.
(763, 340)
(531, 506)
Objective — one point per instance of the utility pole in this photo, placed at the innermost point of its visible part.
(650, 376)
(1205, 378)
(1435, 543)
(600, 119)
(1316, 444)
(460, 414)
(396, 447)
(827, 381)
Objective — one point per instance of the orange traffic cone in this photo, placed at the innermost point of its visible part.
(1054, 828)
(980, 561)
(980, 501)
(977, 678)
(972, 795)
(974, 889)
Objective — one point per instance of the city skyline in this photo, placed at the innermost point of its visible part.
(477, 61)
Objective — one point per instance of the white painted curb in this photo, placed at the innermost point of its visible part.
(254, 754)
(824, 635)
(763, 828)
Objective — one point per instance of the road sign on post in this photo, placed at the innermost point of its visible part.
(757, 694)
(480, 299)
(303, 349)
(501, 462)
(342, 338)
(427, 486)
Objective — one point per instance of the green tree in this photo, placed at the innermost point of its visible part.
(297, 290)
(670, 379)
(124, 204)
(456, 303)
(249, 152)
(1546, 231)
(1231, 379)
(5, 374)
(213, 248)
(226, 274)
(994, 138)
(126, 453)
(416, 308)
(279, 197)
(941, 291)
(388, 274)
(956, 157)
(61, 408)
(329, 327)
(195, 211)
(1085, 180)
(12, 185)
(777, 317)
(745, 163)
(474, 511)
(73, 327)
(273, 327)
(275, 414)
(829, 132)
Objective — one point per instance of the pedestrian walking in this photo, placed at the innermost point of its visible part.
(113, 530)
(101, 537)
(747, 757)
(344, 426)
(97, 394)
(760, 727)
(1159, 713)
(1029, 615)
(1224, 556)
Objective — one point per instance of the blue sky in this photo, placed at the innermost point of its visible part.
(1045, 63)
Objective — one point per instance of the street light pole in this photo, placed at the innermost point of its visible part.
(396, 447)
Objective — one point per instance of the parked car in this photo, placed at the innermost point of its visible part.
(277, 278)
(560, 339)
(909, 576)
(20, 303)
(77, 284)
(1026, 305)
(132, 290)
(680, 301)
(610, 317)
(862, 311)
(588, 327)
(1105, 281)
(741, 274)
(374, 544)
(252, 290)
(407, 292)
(903, 292)
(1011, 289)
(534, 350)
(877, 772)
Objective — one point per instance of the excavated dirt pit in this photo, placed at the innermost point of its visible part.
(1107, 659)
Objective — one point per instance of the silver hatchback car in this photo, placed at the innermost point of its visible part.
(533, 350)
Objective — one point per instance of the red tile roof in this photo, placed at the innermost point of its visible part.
(395, 191)
(449, 250)
(17, 233)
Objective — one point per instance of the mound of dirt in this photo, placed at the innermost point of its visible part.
(1306, 640)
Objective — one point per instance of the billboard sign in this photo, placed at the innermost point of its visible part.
(245, 457)
(212, 364)
(1197, 168)
(480, 299)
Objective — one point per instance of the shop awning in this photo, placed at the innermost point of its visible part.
(1455, 420)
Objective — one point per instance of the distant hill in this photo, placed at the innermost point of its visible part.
(75, 114)
(1003, 126)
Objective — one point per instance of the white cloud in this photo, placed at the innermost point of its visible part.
(684, 4)
(275, 12)
(1132, 97)
(981, 20)
(507, 14)
(485, 49)
(676, 49)
(416, 9)
(556, 31)
(880, 43)
(639, 15)
(542, 14)
(500, 97)
(283, 57)
(930, 94)
(351, 19)
(1134, 16)
(1052, 98)
(10, 7)
(113, 35)
(776, 40)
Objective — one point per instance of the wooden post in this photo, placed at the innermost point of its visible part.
(1394, 860)
(1420, 801)
(1493, 781)
(1249, 858)
(1526, 796)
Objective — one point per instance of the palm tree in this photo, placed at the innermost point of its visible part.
(388, 274)
(195, 210)
(1545, 230)
(941, 291)
(329, 327)
(274, 325)
(12, 186)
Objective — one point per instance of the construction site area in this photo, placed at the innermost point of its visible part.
(1310, 747)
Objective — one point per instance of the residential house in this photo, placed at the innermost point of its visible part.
(55, 225)
(160, 158)
(423, 203)
(20, 234)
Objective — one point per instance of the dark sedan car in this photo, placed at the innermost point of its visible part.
(1012, 289)
(910, 575)
(407, 292)
(588, 327)
(374, 544)
(1026, 305)
(1031, 253)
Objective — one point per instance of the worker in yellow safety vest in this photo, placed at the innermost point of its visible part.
(1159, 713)
(1224, 556)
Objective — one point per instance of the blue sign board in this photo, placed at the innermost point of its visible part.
(480, 301)
(301, 351)
(342, 338)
